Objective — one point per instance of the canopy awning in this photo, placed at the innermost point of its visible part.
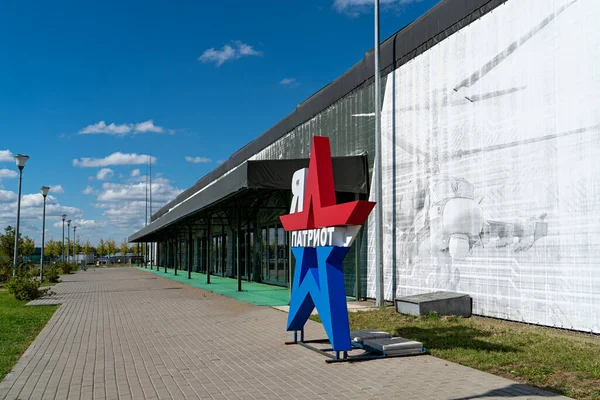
(349, 173)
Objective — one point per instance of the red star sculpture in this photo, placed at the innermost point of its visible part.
(320, 208)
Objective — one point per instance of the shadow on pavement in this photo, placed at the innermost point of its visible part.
(514, 390)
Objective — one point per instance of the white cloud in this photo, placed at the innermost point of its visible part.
(86, 223)
(89, 190)
(56, 210)
(218, 56)
(289, 82)
(117, 158)
(355, 7)
(196, 160)
(121, 130)
(148, 126)
(6, 196)
(37, 200)
(31, 211)
(31, 217)
(6, 156)
(84, 227)
(161, 191)
(111, 129)
(7, 173)
(246, 50)
(236, 50)
(56, 189)
(124, 204)
(129, 217)
(105, 174)
(135, 172)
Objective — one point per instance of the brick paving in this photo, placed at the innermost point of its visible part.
(122, 333)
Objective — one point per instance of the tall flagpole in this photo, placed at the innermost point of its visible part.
(146, 221)
(379, 299)
(150, 214)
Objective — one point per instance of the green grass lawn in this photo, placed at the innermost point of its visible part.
(19, 326)
(551, 359)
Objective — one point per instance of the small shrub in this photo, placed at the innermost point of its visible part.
(433, 316)
(28, 271)
(67, 268)
(64, 267)
(24, 289)
(52, 273)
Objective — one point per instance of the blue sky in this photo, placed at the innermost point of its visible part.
(89, 89)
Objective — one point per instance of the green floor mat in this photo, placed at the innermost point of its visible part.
(252, 292)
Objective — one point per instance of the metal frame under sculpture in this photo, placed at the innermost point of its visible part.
(322, 233)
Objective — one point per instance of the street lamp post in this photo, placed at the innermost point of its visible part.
(44, 190)
(68, 239)
(21, 160)
(63, 242)
(379, 300)
(74, 240)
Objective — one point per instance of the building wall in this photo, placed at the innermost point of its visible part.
(508, 107)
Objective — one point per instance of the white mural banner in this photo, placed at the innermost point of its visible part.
(490, 156)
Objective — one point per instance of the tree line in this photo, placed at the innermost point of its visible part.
(103, 248)
(54, 248)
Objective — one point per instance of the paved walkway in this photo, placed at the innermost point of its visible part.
(123, 333)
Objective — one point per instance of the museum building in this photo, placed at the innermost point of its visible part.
(490, 129)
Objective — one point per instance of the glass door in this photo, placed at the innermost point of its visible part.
(250, 255)
(214, 268)
(282, 256)
(223, 254)
(274, 255)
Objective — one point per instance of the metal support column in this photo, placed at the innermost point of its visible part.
(157, 256)
(204, 245)
(177, 253)
(247, 255)
(190, 252)
(237, 252)
(257, 252)
(223, 248)
(209, 250)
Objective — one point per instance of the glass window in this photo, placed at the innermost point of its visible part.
(281, 255)
(265, 254)
(223, 254)
(251, 255)
(272, 253)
